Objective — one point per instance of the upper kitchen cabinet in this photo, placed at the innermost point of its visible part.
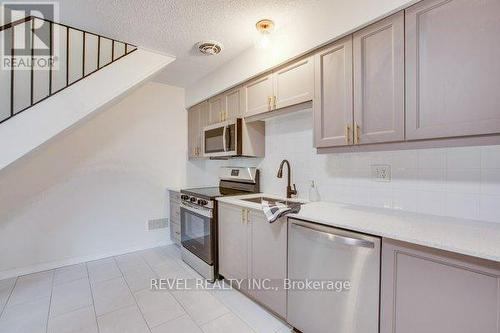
(333, 101)
(204, 109)
(452, 68)
(294, 84)
(290, 85)
(193, 129)
(216, 109)
(234, 104)
(378, 52)
(198, 117)
(258, 94)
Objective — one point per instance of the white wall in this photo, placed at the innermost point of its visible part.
(90, 191)
(321, 22)
(28, 130)
(457, 182)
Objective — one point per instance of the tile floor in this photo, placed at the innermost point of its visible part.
(113, 295)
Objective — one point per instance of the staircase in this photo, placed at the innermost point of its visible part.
(53, 76)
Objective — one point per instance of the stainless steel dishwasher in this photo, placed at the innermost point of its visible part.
(321, 253)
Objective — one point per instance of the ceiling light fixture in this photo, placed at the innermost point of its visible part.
(264, 27)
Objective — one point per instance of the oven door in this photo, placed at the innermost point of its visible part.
(220, 139)
(196, 233)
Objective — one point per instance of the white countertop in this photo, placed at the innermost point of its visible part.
(184, 187)
(238, 200)
(469, 237)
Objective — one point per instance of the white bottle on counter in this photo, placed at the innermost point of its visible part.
(313, 192)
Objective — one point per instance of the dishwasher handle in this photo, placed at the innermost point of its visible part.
(349, 241)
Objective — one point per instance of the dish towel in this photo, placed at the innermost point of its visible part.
(277, 210)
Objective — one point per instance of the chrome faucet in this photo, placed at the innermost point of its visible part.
(289, 190)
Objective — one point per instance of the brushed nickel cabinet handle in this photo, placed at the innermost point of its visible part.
(269, 103)
(274, 102)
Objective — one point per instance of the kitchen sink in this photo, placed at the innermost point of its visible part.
(272, 201)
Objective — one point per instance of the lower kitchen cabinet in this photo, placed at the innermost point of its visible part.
(432, 291)
(268, 253)
(233, 242)
(175, 217)
(254, 250)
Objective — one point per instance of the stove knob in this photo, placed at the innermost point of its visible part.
(202, 202)
(193, 199)
(184, 197)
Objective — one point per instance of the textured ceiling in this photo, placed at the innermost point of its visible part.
(174, 26)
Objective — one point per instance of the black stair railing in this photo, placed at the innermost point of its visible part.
(41, 58)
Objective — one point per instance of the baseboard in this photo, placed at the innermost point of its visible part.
(77, 260)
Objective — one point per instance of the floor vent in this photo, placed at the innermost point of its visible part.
(158, 224)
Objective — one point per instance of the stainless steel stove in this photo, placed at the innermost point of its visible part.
(199, 217)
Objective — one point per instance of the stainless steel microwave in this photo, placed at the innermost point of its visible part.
(234, 138)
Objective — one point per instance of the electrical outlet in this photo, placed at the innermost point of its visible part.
(381, 172)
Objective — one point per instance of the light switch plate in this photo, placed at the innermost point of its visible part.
(381, 172)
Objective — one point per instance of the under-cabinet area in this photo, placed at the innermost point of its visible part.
(253, 250)
(426, 290)
(390, 85)
(380, 280)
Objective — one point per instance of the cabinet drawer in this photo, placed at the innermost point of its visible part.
(175, 212)
(175, 232)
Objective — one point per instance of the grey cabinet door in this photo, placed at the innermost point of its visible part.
(216, 109)
(452, 68)
(234, 104)
(258, 94)
(294, 84)
(233, 242)
(269, 261)
(379, 81)
(204, 109)
(193, 131)
(432, 291)
(333, 91)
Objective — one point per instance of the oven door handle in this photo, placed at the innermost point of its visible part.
(196, 210)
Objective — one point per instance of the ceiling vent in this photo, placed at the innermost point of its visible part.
(209, 47)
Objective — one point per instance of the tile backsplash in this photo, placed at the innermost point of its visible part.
(458, 182)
